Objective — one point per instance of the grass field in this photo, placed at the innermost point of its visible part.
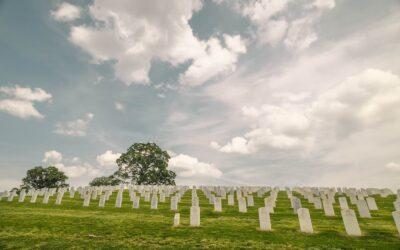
(69, 225)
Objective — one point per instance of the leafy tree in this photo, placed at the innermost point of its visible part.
(105, 181)
(145, 164)
(40, 177)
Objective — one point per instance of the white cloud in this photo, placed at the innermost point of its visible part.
(393, 166)
(119, 106)
(214, 61)
(74, 128)
(20, 101)
(52, 157)
(66, 12)
(108, 159)
(300, 34)
(134, 33)
(188, 166)
(362, 102)
(80, 170)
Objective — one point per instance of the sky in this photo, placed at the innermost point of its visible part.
(255, 92)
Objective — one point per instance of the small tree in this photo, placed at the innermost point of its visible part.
(40, 177)
(145, 164)
(105, 181)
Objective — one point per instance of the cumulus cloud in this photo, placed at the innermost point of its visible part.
(20, 101)
(362, 102)
(134, 33)
(280, 21)
(119, 106)
(66, 12)
(108, 159)
(75, 128)
(188, 166)
(52, 157)
(393, 166)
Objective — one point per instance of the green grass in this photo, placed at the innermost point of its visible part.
(69, 225)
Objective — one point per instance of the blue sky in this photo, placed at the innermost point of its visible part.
(257, 92)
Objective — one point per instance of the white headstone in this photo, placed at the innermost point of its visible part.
(34, 196)
(154, 202)
(218, 204)
(328, 207)
(136, 202)
(162, 197)
(296, 204)
(102, 200)
(195, 201)
(195, 216)
(396, 217)
(350, 222)
(86, 200)
(118, 201)
(242, 205)
(231, 200)
(269, 204)
(177, 218)
(363, 209)
(46, 197)
(371, 203)
(264, 218)
(174, 203)
(343, 203)
(305, 220)
(317, 203)
(396, 205)
(250, 200)
(22, 195)
(59, 197)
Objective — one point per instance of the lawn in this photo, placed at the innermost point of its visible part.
(69, 225)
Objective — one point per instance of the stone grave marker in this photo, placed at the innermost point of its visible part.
(231, 200)
(154, 202)
(305, 220)
(396, 217)
(242, 205)
(343, 203)
(136, 202)
(218, 204)
(328, 207)
(264, 219)
(195, 216)
(363, 209)
(371, 203)
(350, 222)
(177, 218)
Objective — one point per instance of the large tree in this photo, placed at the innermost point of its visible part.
(145, 164)
(105, 181)
(40, 177)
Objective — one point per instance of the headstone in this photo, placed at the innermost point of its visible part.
(195, 201)
(174, 203)
(350, 222)
(396, 205)
(328, 207)
(396, 217)
(34, 196)
(218, 204)
(343, 203)
(317, 203)
(118, 201)
(250, 200)
(22, 195)
(177, 218)
(195, 216)
(371, 203)
(72, 193)
(147, 197)
(154, 202)
(242, 205)
(363, 209)
(136, 202)
(162, 197)
(296, 204)
(102, 200)
(59, 197)
(86, 200)
(46, 197)
(305, 220)
(264, 218)
(269, 204)
(231, 200)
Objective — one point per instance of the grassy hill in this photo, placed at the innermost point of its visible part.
(69, 225)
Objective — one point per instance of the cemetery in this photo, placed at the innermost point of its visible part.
(166, 216)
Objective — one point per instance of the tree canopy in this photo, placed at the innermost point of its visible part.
(44, 177)
(105, 181)
(145, 164)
